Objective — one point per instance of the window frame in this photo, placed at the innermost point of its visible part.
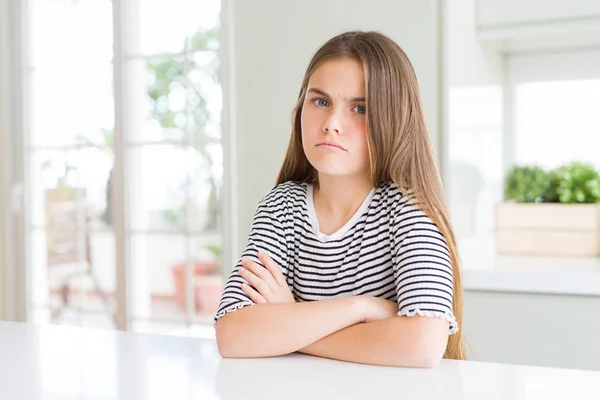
(14, 103)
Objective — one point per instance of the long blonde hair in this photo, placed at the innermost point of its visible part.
(398, 141)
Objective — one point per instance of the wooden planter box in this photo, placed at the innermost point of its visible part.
(548, 229)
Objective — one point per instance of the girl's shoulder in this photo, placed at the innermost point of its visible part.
(391, 193)
(395, 200)
(289, 193)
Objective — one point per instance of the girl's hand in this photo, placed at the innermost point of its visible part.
(268, 281)
(377, 309)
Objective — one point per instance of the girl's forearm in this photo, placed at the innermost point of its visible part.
(265, 330)
(398, 341)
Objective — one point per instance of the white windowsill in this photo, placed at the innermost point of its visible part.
(484, 270)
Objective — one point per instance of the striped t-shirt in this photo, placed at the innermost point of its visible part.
(388, 249)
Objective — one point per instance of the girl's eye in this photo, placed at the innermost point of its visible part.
(360, 109)
(321, 102)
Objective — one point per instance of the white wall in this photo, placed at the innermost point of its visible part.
(271, 43)
(473, 143)
(469, 64)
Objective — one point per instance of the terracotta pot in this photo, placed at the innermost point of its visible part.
(208, 290)
(199, 269)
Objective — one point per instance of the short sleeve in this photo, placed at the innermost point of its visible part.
(422, 267)
(266, 234)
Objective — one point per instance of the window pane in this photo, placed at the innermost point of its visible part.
(67, 180)
(159, 272)
(205, 188)
(157, 106)
(73, 276)
(171, 99)
(174, 98)
(557, 122)
(64, 32)
(160, 187)
(208, 280)
(166, 24)
(71, 246)
(71, 82)
(474, 183)
(159, 276)
(205, 98)
(174, 188)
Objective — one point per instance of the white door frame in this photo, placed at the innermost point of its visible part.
(13, 90)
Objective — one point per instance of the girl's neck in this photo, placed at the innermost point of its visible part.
(341, 196)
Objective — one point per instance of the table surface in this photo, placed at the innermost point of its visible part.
(58, 362)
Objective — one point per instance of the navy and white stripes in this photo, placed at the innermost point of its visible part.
(388, 249)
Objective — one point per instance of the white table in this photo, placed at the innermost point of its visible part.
(51, 363)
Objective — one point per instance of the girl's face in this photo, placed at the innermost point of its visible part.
(333, 121)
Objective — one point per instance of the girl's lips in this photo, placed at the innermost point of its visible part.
(331, 145)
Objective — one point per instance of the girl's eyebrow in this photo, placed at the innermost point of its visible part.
(324, 94)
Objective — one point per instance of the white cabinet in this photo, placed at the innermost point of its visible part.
(525, 25)
(548, 330)
(526, 12)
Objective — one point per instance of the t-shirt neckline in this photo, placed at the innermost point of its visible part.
(312, 215)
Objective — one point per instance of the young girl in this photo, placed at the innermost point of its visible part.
(352, 255)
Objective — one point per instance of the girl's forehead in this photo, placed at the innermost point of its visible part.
(343, 78)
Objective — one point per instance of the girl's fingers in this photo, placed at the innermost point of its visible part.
(260, 271)
(253, 294)
(273, 268)
(261, 286)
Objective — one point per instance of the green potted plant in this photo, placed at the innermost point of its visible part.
(527, 184)
(553, 212)
(577, 183)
